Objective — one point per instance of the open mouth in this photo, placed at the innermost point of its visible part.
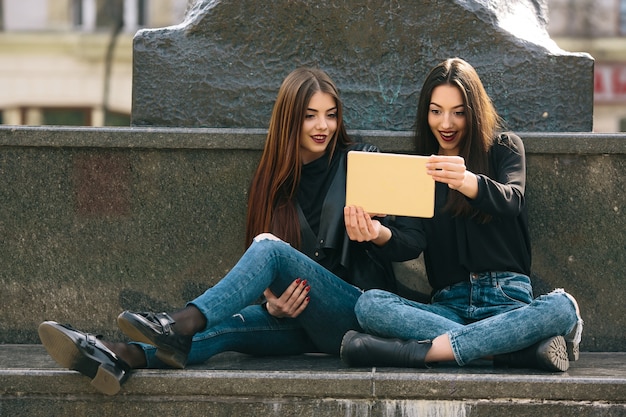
(319, 138)
(447, 136)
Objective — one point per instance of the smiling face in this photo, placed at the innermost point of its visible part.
(319, 126)
(447, 118)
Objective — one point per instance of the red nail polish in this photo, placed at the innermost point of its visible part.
(307, 289)
(298, 280)
(304, 282)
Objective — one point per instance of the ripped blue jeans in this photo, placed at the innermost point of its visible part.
(235, 324)
(491, 313)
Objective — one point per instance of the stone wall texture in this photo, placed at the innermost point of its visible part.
(223, 65)
(96, 221)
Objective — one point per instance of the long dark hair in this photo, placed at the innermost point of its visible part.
(271, 202)
(482, 125)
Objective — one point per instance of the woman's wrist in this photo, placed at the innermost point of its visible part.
(383, 237)
(470, 185)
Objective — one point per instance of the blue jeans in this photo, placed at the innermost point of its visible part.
(252, 331)
(489, 314)
(234, 324)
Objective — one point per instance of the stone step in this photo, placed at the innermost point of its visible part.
(230, 384)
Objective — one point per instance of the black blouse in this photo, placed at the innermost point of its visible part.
(454, 247)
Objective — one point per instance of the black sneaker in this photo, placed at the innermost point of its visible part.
(549, 355)
(156, 329)
(86, 354)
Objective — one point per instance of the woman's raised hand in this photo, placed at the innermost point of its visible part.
(451, 170)
(291, 303)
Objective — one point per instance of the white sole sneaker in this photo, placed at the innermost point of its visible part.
(552, 354)
(572, 340)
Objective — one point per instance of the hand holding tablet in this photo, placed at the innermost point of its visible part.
(387, 183)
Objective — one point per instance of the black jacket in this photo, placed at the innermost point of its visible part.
(357, 263)
(454, 247)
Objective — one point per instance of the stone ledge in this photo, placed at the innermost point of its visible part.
(232, 384)
(596, 377)
(253, 139)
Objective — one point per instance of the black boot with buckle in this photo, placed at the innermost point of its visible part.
(85, 353)
(156, 329)
(364, 350)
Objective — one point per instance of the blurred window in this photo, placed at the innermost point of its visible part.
(107, 13)
(622, 18)
(24, 15)
(92, 15)
(66, 116)
(77, 13)
(117, 119)
(142, 13)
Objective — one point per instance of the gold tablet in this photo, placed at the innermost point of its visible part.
(387, 183)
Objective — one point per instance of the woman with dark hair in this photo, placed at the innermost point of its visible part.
(476, 250)
(299, 257)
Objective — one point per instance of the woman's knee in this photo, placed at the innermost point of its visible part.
(266, 236)
(268, 242)
(564, 307)
(569, 300)
(369, 305)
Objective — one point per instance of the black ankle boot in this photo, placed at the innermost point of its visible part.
(549, 355)
(85, 353)
(360, 350)
(156, 329)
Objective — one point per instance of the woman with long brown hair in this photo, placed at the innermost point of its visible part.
(299, 257)
(476, 250)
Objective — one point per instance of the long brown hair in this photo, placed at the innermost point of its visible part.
(483, 124)
(271, 202)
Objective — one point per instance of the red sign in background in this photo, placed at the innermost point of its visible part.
(610, 83)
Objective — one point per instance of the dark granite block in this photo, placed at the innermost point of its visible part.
(222, 66)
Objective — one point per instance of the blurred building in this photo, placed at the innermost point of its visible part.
(69, 62)
(56, 66)
(597, 27)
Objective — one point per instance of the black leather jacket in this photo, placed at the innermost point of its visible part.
(357, 263)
